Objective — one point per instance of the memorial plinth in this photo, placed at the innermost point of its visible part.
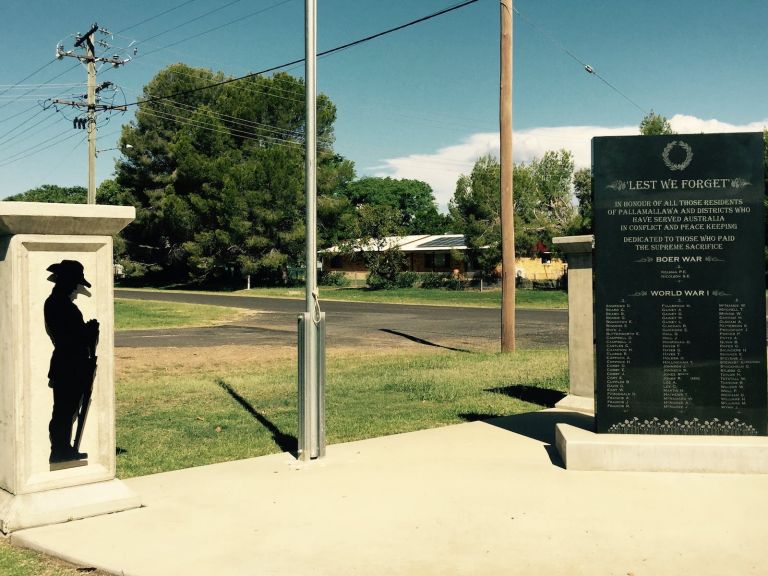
(679, 285)
(44, 247)
(581, 354)
(587, 451)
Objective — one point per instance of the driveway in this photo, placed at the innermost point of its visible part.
(351, 324)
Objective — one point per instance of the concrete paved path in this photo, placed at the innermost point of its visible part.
(481, 498)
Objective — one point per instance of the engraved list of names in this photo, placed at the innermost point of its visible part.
(680, 284)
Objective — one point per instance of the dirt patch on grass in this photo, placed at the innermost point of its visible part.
(137, 360)
(133, 361)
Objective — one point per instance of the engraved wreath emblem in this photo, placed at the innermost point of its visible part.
(672, 165)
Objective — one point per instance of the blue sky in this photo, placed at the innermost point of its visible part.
(419, 103)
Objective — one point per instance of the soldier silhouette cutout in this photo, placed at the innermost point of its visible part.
(73, 363)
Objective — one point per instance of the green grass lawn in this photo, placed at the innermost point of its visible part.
(143, 314)
(174, 416)
(485, 299)
(22, 562)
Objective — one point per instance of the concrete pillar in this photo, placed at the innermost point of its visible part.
(581, 348)
(38, 486)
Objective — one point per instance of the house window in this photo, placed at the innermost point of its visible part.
(436, 261)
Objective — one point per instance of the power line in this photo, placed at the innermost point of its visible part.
(163, 13)
(5, 138)
(300, 60)
(28, 76)
(234, 120)
(397, 28)
(215, 28)
(41, 85)
(244, 134)
(63, 159)
(142, 54)
(31, 90)
(196, 18)
(260, 73)
(589, 69)
(33, 150)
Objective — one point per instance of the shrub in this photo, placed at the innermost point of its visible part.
(453, 283)
(523, 283)
(433, 280)
(333, 279)
(377, 282)
(406, 279)
(546, 284)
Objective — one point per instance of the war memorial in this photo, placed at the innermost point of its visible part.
(667, 350)
(679, 305)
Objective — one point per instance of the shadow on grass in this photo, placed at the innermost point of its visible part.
(421, 340)
(541, 396)
(286, 442)
(537, 426)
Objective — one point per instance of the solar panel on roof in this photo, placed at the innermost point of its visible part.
(445, 242)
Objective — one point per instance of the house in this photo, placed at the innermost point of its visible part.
(431, 253)
(424, 253)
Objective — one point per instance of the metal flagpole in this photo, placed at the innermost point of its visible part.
(312, 322)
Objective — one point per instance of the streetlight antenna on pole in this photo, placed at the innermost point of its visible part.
(312, 322)
(507, 167)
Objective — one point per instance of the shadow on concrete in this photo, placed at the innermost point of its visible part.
(421, 340)
(537, 426)
(541, 396)
(286, 442)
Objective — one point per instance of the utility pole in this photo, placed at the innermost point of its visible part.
(507, 198)
(91, 106)
(90, 60)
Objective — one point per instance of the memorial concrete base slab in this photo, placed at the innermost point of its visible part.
(19, 511)
(577, 404)
(584, 450)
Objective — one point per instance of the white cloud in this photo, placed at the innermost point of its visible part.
(442, 168)
(691, 125)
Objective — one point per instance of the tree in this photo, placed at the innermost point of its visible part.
(108, 192)
(543, 200)
(582, 187)
(217, 175)
(476, 210)
(374, 228)
(654, 124)
(52, 193)
(543, 205)
(413, 198)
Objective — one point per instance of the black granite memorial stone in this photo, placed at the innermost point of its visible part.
(680, 284)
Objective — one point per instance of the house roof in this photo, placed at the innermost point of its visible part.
(444, 242)
(413, 243)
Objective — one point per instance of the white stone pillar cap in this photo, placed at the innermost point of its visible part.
(574, 244)
(64, 219)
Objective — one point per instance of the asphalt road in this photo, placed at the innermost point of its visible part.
(350, 324)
